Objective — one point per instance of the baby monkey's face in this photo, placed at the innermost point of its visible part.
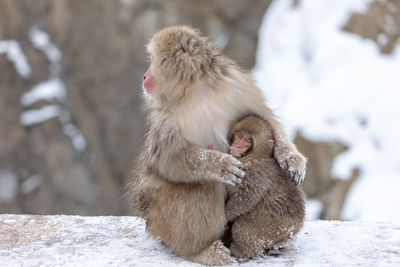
(242, 142)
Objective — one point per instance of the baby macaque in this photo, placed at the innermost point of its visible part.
(268, 210)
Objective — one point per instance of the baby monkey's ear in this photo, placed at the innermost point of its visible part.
(231, 136)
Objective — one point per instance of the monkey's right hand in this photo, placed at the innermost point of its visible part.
(232, 170)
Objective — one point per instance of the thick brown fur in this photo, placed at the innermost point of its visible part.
(178, 185)
(268, 210)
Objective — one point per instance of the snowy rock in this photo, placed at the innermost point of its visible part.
(31, 240)
(17, 56)
(334, 86)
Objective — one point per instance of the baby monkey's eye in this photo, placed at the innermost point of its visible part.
(239, 135)
(248, 140)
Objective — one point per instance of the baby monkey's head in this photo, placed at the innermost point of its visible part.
(251, 135)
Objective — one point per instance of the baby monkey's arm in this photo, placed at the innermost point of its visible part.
(245, 197)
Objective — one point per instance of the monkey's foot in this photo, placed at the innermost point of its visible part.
(291, 161)
(250, 251)
(214, 254)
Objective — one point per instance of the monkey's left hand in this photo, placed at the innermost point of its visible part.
(292, 161)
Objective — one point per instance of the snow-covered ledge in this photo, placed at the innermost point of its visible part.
(31, 240)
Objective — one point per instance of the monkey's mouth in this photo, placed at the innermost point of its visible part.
(148, 89)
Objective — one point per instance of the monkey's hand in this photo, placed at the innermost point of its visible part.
(292, 161)
(232, 170)
(217, 166)
(196, 164)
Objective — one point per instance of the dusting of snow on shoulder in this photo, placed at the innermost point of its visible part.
(202, 156)
(15, 54)
(334, 85)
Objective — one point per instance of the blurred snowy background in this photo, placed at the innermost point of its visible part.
(70, 107)
(327, 84)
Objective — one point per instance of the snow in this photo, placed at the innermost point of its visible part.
(35, 116)
(31, 183)
(32, 240)
(16, 56)
(72, 131)
(313, 209)
(332, 85)
(8, 185)
(41, 41)
(222, 41)
(51, 90)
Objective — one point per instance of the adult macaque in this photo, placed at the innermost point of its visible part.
(268, 210)
(194, 94)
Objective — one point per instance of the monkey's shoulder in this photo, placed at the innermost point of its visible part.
(265, 169)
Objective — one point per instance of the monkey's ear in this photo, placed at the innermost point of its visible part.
(185, 44)
(230, 135)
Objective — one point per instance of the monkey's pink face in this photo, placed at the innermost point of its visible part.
(242, 142)
(148, 82)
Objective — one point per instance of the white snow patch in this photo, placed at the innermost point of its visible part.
(334, 85)
(72, 131)
(16, 56)
(8, 185)
(382, 39)
(41, 41)
(52, 89)
(35, 116)
(31, 183)
(221, 41)
(313, 209)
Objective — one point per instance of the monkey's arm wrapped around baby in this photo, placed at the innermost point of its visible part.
(243, 198)
(176, 160)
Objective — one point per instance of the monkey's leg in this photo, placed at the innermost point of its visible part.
(246, 240)
(189, 218)
(251, 238)
(214, 254)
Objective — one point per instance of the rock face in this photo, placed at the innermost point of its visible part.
(70, 106)
(121, 241)
(320, 184)
(380, 23)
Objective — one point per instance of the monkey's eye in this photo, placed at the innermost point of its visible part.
(248, 140)
(239, 135)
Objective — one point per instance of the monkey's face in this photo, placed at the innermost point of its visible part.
(242, 142)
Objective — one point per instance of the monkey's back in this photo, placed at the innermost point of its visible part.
(281, 196)
(276, 218)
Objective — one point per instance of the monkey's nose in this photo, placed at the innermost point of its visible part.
(144, 77)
